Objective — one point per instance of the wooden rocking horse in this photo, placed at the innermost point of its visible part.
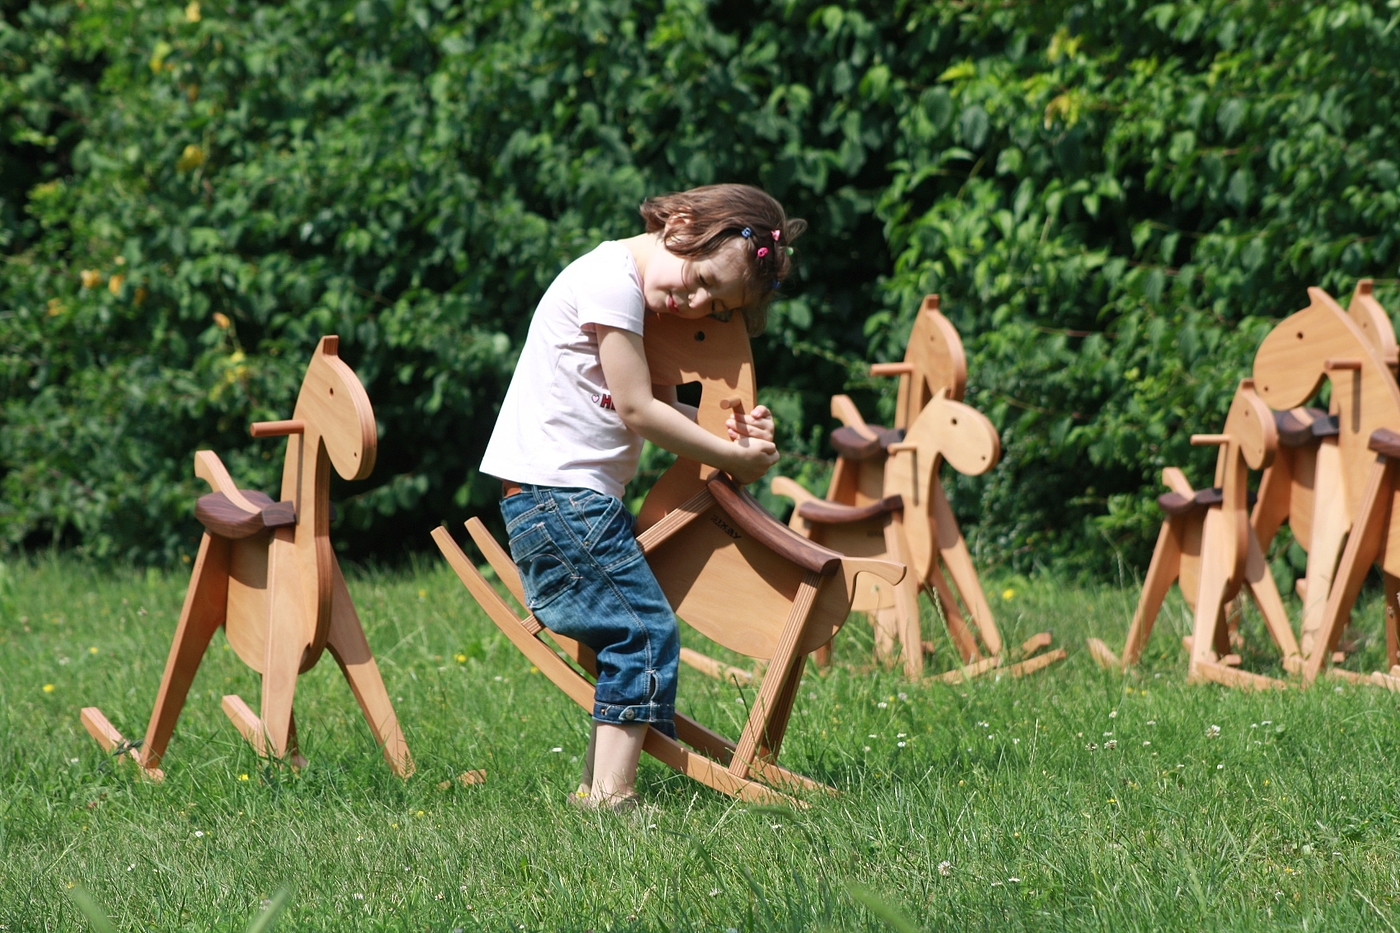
(1307, 485)
(266, 573)
(729, 569)
(1350, 349)
(885, 500)
(1208, 547)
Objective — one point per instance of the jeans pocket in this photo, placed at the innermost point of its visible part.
(545, 574)
(594, 514)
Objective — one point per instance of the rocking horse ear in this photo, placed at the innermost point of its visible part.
(329, 345)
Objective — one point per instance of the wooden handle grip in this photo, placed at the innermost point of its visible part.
(1344, 363)
(276, 428)
(900, 448)
(1209, 440)
(891, 369)
(736, 403)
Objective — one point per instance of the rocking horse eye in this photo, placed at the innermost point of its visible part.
(955, 421)
(700, 336)
(331, 390)
(1300, 335)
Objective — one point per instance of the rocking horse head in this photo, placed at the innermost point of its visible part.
(958, 433)
(933, 361)
(333, 405)
(716, 354)
(1292, 359)
(1251, 428)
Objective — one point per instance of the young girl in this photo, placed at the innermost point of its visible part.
(570, 432)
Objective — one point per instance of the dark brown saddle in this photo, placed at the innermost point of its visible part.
(853, 445)
(1295, 432)
(835, 513)
(1174, 503)
(221, 516)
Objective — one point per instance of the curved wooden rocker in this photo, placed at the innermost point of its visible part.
(266, 573)
(729, 569)
(885, 500)
(1352, 350)
(1207, 546)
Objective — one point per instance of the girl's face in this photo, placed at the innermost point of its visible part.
(696, 288)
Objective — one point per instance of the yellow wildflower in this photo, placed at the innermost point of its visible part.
(190, 159)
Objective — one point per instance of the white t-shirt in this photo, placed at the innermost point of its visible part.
(557, 425)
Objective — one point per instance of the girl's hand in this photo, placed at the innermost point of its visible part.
(754, 451)
(756, 424)
(750, 460)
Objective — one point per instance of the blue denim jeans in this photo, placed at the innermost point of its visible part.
(584, 576)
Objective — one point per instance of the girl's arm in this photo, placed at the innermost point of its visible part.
(624, 363)
(667, 394)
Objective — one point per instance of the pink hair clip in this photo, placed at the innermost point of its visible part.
(776, 234)
(762, 251)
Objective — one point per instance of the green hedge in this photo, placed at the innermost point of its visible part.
(1113, 199)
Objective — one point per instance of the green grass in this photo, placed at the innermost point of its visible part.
(1288, 819)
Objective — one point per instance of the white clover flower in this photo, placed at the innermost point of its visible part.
(1111, 744)
(1213, 732)
(945, 868)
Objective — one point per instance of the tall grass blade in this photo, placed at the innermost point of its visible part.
(96, 916)
(263, 921)
(888, 913)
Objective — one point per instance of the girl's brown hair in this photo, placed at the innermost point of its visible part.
(695, 224)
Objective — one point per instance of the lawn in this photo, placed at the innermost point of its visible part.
(1070, 799)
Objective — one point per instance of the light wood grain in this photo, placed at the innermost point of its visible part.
(1212, 553)
(279, 594)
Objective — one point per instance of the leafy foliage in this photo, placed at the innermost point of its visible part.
(1113, 200)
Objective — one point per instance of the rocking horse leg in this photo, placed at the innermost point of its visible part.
(772, 739)
(205, 603)
(1210, 601)
(906, 601)
(785, 658)
(1161, 574)
(953, 550)
(1363, 546)
(1331, 522)
(287, 638)
(350, 649)
(941, 594)
(1260, 583)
